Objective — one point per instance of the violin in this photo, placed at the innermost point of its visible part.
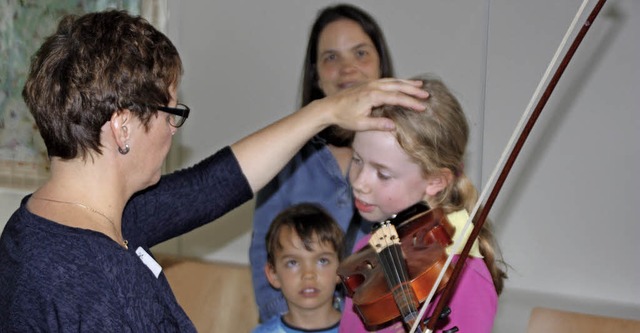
(391, 277)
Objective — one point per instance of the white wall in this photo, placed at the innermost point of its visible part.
(566, 217)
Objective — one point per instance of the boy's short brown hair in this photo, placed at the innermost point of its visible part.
(310, 222)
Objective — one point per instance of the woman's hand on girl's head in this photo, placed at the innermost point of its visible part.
(351, 107)
(262, 154)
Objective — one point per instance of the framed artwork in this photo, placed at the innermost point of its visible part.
(23, 26)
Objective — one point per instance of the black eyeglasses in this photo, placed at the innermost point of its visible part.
(179, 114)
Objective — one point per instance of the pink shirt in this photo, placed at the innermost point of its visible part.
(473, 304)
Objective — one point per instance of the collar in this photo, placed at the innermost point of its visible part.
(458, 220)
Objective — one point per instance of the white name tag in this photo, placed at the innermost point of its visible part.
(149, 261)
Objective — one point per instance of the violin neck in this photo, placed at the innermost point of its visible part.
(394, 266)
(395, 271)
(386, 242)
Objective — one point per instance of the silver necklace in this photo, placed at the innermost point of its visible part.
(125, 243)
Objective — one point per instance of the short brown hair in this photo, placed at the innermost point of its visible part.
(307, 220)
(92, 66)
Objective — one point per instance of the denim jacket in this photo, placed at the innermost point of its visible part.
(313, 175)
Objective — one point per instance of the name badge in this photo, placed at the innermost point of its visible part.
(148, 260)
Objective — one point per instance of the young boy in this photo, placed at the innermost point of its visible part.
(304, 248)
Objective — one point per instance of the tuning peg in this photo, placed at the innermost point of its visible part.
(444, 314)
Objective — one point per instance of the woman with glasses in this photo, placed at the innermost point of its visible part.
(103, 92)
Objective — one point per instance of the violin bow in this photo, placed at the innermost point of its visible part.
(506, 163)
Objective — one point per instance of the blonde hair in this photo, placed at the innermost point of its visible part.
(436, 139)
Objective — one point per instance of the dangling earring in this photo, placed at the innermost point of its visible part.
(125, 150)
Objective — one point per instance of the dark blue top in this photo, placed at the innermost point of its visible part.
(55, 278)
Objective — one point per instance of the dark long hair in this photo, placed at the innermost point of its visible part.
(310, 89)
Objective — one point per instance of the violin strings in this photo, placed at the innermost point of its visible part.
(391, 263)
(397, 260)
(407, 291)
